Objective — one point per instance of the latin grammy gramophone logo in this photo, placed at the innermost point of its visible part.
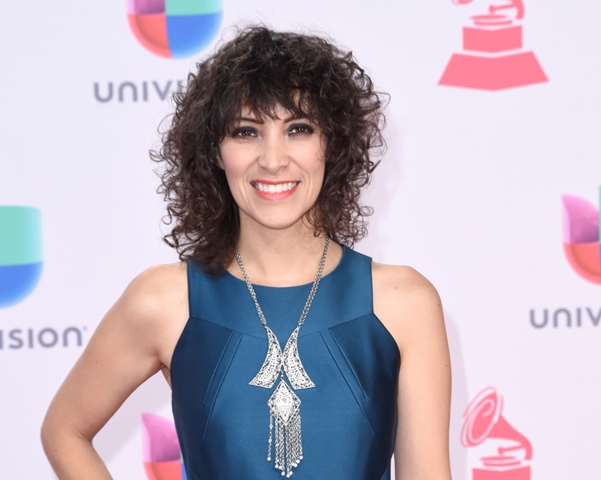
(493, 57)
(505, 452)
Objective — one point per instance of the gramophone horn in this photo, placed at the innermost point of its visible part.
(502, 429)
(483, 420)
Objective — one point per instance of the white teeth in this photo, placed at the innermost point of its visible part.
(271, 188)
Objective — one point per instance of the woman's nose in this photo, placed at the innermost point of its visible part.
(274, 155)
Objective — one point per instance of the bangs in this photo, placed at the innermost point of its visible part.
(263, 76)
(262, 103)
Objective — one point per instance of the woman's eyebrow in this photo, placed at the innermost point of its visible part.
(255, 120)
(247, 119)
(295, 117)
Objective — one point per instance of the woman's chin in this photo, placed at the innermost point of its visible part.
(280, 223)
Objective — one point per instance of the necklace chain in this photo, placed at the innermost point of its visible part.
(310, 298)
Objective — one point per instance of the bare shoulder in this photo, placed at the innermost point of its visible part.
(158, 292)
(152, 311)
(403, 286)
(159, 281)
(406, 302)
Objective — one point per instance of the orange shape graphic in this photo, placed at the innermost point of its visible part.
(585, 259)
(163, 470)
(151, 32)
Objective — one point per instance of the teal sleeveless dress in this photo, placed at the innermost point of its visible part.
(348, 419)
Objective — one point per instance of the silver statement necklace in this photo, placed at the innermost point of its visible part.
(284, 405)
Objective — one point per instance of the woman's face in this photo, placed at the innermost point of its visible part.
(274, 168)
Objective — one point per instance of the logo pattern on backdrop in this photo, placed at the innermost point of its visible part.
(20, 271)
(493, 57)
(161, 449)
(581, 236)
(174, 28)
(484, 425)
(20, 253)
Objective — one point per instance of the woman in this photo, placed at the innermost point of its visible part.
(269, 147)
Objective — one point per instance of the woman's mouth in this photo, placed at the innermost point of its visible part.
(274, 191)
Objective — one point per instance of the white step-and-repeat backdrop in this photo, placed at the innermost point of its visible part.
(490, 187)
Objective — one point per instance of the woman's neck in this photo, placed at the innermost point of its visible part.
(283, 257)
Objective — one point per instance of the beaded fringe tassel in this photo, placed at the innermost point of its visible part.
(288, 444)
(285, 427)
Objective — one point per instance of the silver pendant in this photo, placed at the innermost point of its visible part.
(272, 365)
(284, 404)
(292, 364)
(289, 361)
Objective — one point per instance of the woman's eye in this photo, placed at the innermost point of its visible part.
(244, 132)
(301, 128)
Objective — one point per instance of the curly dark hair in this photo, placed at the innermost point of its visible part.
(260, 69)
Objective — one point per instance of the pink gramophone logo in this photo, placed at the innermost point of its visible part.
(484, 425)
(493, 57)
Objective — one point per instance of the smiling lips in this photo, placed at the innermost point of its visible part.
(274, 191)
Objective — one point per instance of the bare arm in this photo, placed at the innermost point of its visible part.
(410, 308)
(134, 341)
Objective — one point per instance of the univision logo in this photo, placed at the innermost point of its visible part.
(174, 28)
(162, 457)
(20, 253)
(581, 237)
